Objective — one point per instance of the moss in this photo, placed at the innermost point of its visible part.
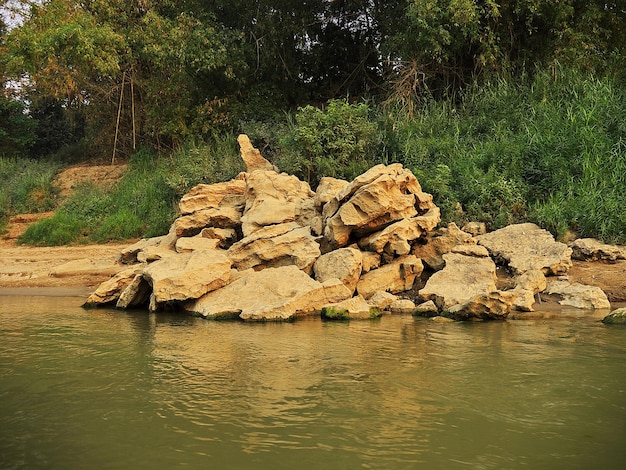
(333, 313)
(615, 318)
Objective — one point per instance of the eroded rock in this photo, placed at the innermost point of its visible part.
(394, 277)
(276, 245)
(524, 247)
(578, 295)
(462, 279)
(271, 294)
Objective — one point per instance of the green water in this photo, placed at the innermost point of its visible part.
(116, 390)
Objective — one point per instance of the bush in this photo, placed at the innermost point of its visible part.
(340, 140)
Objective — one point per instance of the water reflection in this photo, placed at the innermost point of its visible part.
(131, 389)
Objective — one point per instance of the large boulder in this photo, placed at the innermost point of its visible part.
(153, 248)
(397, 276)
(210, 196)
(272, 198)
(344, 264)
(220, 217)
(440, 242)
(578, 295)
(271, 294)
(377, 198)
(274, 246)
(397, 238)
(187, 275)
(327, 189)
(524, 247)
(462, 279)
(136, 294)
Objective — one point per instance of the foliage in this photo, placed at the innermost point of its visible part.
(339, 140)
(17, 129)
(26, 186)
(550, 151)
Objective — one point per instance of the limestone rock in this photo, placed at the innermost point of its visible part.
(397, 238)
(187, 275)
(402, 306)
(379, 197)
(355, 308)
(578, 295)
(136, 294)
(462, 278)
(382, 300)
(426, 309)
(344, 264)
(526, 287)
(494, 305)
(220, 217)
(327, 189)
(130, 254)
(394, 277)
(371, 260)
(616, 317)
(475, 228)
(525, 247)
(251, 156)
(211, 196)
(154, 253)
(276, 245)
(591, 249)
(225, 236)
(198, 242)
(110, 290)
(273, 198)
(441, 242)
(271, 294)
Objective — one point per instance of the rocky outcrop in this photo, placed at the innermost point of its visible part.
(264, 246)
(345, 264)
(440, 242)
(397, 276)
(494, 305)
(355, 308)
(524, 247)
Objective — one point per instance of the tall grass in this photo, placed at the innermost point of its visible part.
(144, 203)
(551, 150)
(26, 186)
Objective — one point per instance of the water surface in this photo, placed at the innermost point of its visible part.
(109, 389)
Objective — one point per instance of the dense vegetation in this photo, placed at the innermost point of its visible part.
(506, 111)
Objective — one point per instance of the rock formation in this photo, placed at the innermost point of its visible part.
(264, 246)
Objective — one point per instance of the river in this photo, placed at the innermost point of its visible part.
(107, 389)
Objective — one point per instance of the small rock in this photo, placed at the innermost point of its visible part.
(355, 308)
(616, 317)
(578, 295)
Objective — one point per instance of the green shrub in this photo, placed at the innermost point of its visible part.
(339, 140)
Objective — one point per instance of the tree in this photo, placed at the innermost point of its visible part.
(130, 67)
(448, 43)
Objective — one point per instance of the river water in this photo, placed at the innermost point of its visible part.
(118, 390)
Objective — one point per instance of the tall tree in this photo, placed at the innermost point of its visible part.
(129, 66)
(447, 43)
